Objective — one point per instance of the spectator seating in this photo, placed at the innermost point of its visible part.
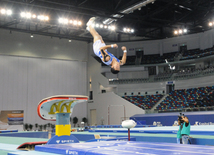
(145, 102)
(188, 73)
(169, 56)
(130, 60)
(151, 59)
(156, 58)
(206, 101)
(197, 53)
(191, 54)
(188, 98)
(209, 70)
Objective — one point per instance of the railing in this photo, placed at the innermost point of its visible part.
(129, 81)
(210, 108)
(202, 73)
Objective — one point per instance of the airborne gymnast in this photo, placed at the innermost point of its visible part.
(100, 49)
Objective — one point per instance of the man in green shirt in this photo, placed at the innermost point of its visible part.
(179, 133)
(185, 131)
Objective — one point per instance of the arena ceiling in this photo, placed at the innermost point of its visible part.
(150, 19)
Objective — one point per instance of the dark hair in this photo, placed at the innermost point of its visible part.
(114, 71)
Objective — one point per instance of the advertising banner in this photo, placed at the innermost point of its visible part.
(11, 119)
(169, 119)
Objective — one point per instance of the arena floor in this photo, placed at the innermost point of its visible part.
(147, 144)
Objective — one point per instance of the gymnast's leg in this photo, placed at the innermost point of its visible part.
(93, 32)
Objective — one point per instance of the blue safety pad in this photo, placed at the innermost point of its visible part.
(5, 131)
(8, 147)
(113, 139)
(15, 119)
(63, 139)
(126, 148)
(27, 134)
(14, 151)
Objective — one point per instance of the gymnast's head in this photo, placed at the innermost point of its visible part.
(115, 68)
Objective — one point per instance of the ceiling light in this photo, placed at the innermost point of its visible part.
(101, 26)
(185, 30)
(46, 18)
(175, 32)
(97, 25)
(60, 20)
(124, 29)
(180, 31)
(3, 11)
(33, 16)
(9, 12)
(23, 14)
(28, 15)
(132, 30)
(210, 24)
(65, 21)
(75, 22)
(41, 17)
(79, 23)
(113, 28)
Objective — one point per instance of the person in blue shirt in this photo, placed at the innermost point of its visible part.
(100, 49)
(185, 131)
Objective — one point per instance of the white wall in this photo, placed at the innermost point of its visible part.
(21, 44)
(35, 68)
(26, 81)
(109, 102)
(206, 39)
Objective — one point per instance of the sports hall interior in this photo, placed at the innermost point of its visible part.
(161, 79)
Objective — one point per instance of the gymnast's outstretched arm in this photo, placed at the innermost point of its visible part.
(123, 60)
(104, 53)
(108, 46)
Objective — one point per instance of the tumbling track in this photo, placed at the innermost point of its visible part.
(121, 148)
(148, 143)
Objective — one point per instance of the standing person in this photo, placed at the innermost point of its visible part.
(185, 131)
(179, 132)
(100, 49)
